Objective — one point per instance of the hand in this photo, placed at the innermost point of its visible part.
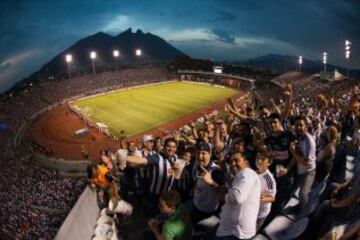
(281, 172)
(292, 147)
(153, 224)
(206, 177)
(262, 197)
(176, 168)
(336, 191)
(101, 196)
(334, 203)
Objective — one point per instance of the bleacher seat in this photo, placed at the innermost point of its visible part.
(259, 237)
(283, 228)
(210, 222)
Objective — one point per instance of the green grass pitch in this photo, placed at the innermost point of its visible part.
(141, 109)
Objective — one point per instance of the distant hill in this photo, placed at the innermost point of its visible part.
(154, 50)
(282, 63)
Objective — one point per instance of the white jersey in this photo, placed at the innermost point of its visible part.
(268, 187)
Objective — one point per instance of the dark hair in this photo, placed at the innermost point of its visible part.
(262, 107)
(171, 198)
(168, 140)
(266, 154)
(300, 118)
(275, 116)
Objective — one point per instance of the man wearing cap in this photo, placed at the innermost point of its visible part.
(144, 172)
(239, 213)
(208, 177)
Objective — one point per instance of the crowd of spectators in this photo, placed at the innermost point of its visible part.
(35, 201)
(233, 175)
(232, 168)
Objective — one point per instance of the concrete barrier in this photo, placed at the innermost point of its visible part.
(63, 165)
(80, 222)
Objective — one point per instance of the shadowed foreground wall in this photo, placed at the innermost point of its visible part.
(80, 222)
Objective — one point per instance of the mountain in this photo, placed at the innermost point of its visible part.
(282, 63)
(154, 50)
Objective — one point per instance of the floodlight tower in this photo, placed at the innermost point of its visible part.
(93, 57)
(348, 55)
(300, 62)
(116, 55)
(138, 53)
(325, 55)
(68, 59)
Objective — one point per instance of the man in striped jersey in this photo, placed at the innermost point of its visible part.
(162, 167)
(144, 172)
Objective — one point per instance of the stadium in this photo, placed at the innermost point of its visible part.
(127, 137)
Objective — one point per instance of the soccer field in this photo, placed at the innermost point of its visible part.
(141, 109)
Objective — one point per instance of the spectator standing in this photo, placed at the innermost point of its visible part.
(240, 212)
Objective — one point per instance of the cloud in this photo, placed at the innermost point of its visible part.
(223, 36)
(117, 24)
(187, 35)
(4, 67)
(17, 65)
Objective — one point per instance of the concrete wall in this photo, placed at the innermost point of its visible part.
(80, 222)
(68, 166)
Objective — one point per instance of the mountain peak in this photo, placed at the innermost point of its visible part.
(129, 30)
(100, 34)
(139, 31)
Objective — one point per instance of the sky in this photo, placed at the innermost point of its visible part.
(33, 31)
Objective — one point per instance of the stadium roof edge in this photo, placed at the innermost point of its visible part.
(216, 74)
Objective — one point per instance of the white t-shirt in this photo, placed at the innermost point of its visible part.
(268, 187)
(240, 212)
(308, 150)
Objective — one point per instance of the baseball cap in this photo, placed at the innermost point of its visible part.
(202, 146)
(147, 138)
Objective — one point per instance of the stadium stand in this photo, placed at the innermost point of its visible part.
(221, 173)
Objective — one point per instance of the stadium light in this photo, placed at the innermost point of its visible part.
(300, 62)
(325, 55)
(348, 55)
(68, 59)
(93, 57)
(116, 55)
(138, 52)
